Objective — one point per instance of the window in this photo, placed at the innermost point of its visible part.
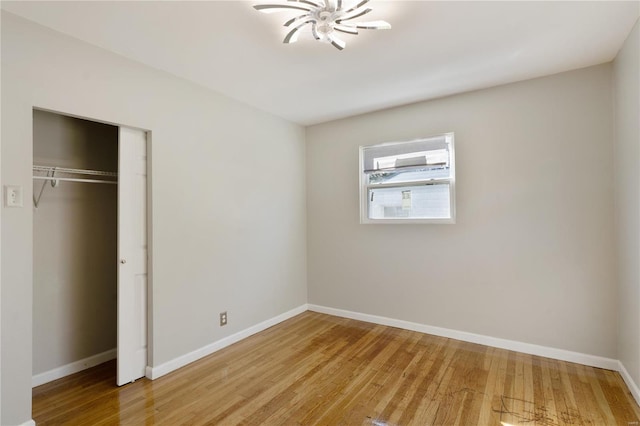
(408, 182)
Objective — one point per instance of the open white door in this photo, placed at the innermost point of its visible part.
(132, 255)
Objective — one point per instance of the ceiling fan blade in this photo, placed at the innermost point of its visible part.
(356, 7)
(337, 43)
(314, 31)
(297, 18)
(309, 2)
(373, 25)
(270, 8)
(364, 12)
(292, 36)
(345, 29)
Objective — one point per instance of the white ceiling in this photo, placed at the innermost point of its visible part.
(434, 49)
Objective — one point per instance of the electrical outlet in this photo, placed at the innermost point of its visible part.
(223, 318)
(12, 196)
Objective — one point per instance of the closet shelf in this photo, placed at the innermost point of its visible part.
(52, 173)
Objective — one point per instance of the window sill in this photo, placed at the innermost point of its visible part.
(366, 221)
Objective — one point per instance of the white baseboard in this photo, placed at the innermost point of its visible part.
(633, 387)
(162, 369)
(74, 367)
(29, 423)
(528, 348)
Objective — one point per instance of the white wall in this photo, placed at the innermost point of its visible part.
(626, 74)
(530, 257)
(228, 196)
(74, 244)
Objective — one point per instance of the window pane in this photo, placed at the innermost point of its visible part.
(384, 155)
(410, 202)
(435, 158)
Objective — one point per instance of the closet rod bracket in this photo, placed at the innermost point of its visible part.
(54, 183)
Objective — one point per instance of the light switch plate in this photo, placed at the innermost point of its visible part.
(13, 196)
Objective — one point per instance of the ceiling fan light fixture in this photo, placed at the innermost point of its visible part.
(324, 18)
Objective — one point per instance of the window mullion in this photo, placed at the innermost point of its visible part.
(435, 181)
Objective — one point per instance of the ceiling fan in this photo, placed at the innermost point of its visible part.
(326, 18)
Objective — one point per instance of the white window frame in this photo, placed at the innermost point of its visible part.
(365, 186)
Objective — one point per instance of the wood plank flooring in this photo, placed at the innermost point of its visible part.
(317, 369)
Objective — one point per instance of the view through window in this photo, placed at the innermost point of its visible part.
(408, 181)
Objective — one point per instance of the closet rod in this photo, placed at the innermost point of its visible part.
(51, 177)
(75, 180)
(73, 171)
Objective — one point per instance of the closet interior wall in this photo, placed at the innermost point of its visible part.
(75, 244)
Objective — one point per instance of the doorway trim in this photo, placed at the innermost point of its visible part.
(83, 364)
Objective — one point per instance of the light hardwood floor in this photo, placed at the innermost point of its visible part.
(317, 369)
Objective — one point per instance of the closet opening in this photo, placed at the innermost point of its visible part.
(90, 248)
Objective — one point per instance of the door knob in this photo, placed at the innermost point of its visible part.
(123, 261)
